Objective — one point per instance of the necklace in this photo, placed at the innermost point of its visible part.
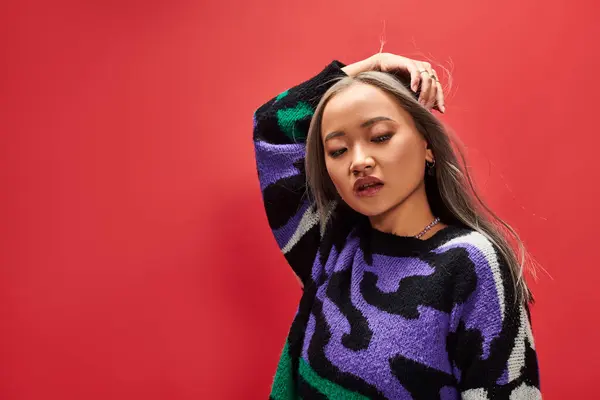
(427, 228)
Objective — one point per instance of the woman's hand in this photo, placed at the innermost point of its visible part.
(432, 94)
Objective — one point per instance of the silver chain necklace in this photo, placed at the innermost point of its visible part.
(427, 228)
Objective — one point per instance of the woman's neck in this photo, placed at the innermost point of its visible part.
(409, 217)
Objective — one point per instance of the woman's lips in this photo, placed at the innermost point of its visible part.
(364, 181)
(370, 191)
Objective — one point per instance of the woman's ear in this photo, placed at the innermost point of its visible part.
(429, 154)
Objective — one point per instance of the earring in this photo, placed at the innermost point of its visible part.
(430, 167)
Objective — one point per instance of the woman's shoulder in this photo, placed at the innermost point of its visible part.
(473, 244)
(474, 252)
(468, 238)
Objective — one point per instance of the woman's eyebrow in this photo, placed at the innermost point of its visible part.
(365, 124)
(375, 120)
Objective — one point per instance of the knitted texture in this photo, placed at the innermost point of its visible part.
(384, 316)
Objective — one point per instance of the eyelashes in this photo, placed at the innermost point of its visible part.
(337, 153)
(382, 138)
(379, 139)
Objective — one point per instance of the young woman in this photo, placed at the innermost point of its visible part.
(410, 290)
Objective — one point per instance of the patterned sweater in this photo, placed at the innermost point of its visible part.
(384, 316)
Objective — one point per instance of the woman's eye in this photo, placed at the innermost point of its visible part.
(337, 153)
(382, 138)
(378, 139)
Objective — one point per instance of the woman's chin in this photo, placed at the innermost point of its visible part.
(369, 211)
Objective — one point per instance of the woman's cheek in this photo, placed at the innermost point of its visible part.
(341, 188)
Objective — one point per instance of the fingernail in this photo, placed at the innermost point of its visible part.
(443, 109)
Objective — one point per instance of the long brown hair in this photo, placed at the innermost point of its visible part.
(450, 192)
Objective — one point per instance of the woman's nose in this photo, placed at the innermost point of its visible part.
(361, 163)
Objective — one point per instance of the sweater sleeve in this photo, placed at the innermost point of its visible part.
(491, 345)
(280, 129)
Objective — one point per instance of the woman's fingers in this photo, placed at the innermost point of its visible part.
(390, 62)
(415, 76)
(428, 87)
(421, 74)
(432, 94)
(439, 95)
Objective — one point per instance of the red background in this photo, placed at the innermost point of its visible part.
(136, 260)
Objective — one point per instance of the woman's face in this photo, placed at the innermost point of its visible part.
(366, 133)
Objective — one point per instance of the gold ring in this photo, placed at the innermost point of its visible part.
(424, 70)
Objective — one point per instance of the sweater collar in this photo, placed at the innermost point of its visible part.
(386, 243)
